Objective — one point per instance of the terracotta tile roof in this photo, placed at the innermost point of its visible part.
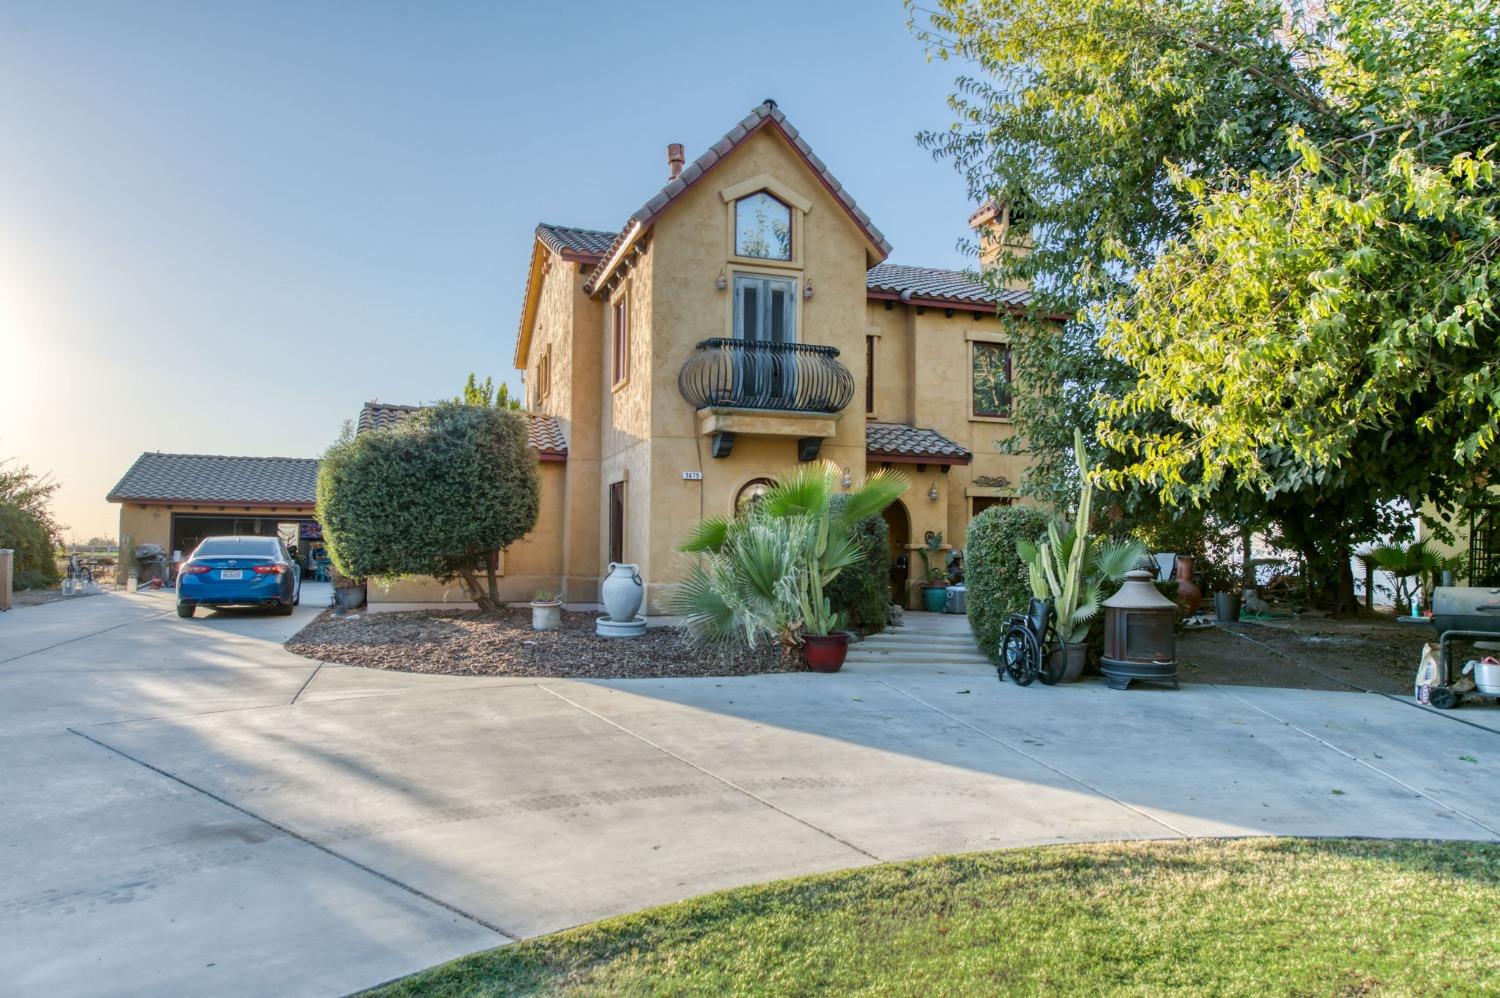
(578, 242)
(217, 478)
(543, 432)
(897, 440)
(763, 115)
(942, 285)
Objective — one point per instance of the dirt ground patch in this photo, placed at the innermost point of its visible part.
(1306, 654)
(471, 643)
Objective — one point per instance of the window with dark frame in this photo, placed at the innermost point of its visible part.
(869, 375)
(990, 382)
(620, 342)
(982, 503)
(617, 522)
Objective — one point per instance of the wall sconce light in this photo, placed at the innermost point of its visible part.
(807, 290)
(847, 480)
(932, 493)
(721, 282)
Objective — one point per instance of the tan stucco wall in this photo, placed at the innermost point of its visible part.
(626, 444)
(532, 563)
(644, 433)
(689, 248)
(568, 329)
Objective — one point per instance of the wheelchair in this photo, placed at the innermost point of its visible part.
(1026, 651)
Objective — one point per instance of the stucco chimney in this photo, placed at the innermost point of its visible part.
(999, 233)
(675, 159)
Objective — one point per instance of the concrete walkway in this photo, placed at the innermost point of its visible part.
(190, 809)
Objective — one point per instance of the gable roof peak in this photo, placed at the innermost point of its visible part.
(763, 115)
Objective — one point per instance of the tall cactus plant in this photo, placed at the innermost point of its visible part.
(1070, 570)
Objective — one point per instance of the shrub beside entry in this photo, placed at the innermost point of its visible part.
(997, 580)
(862, 592)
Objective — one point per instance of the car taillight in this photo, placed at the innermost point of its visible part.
(194, 569)
(269, 569)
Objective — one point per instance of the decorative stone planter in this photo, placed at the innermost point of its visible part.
(1067, 663)
(825, 652)
(546, 615)
(622, 592)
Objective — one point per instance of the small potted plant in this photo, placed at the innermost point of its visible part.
(824, 644)
(934, 574)
(546, 611)
(1225, 583)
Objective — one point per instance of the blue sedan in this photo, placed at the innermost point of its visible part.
(239, 571)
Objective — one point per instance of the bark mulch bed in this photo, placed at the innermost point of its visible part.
(473, 643)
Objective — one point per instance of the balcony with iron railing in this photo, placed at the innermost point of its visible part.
(768, 389)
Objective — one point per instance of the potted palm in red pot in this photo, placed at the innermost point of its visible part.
(765, 571)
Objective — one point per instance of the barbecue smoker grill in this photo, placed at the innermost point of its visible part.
(1467, 614)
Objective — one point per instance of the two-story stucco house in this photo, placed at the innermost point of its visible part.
(742, 320)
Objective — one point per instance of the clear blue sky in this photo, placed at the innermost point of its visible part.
(225, 226)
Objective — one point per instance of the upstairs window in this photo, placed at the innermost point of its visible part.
(620, 343)
(544, 375)
(991, 384)
(762, 228)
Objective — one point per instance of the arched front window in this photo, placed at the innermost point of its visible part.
(762, 227)
(750, 494)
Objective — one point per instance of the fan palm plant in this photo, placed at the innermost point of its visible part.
(1067, 568)
(765, 572)
(1415, 569)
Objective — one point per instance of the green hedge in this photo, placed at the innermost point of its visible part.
(995, 576)
(862, 593)
(35, 564)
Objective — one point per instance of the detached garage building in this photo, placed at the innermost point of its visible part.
(176, 500)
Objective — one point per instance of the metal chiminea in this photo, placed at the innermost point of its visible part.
(1138, 638)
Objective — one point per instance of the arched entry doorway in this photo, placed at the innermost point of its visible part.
(898, 527)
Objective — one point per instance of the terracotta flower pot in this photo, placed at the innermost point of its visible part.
(825, 652)
(1188, 593)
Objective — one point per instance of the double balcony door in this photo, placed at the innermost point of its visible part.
(765, 317)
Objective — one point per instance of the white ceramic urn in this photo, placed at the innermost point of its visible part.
(623, 592)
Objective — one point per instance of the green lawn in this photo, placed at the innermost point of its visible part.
(1245, 917)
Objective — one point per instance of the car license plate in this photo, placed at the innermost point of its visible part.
(231, 573)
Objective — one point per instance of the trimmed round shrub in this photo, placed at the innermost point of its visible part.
(994, 574)
(862, 592)
(437, 494)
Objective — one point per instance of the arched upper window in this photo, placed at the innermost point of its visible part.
(762, 227)
(750, 494)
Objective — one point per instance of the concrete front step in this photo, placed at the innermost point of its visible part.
(855, 658)
(905, 635)
(919, 646)
(917, 640)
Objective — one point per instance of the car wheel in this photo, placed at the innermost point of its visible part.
(185, 609)
(297, 595)
(285, 609)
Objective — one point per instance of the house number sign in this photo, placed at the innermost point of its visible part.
(692, 476)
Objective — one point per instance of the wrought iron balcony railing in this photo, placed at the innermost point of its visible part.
(751, 374)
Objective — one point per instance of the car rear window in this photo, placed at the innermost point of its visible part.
(247, 547)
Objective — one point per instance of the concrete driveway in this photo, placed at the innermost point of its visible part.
(187, 808)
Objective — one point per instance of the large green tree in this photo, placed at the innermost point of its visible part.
(485, 393)
(1277, 231)
(27, 525)
(440, 493)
